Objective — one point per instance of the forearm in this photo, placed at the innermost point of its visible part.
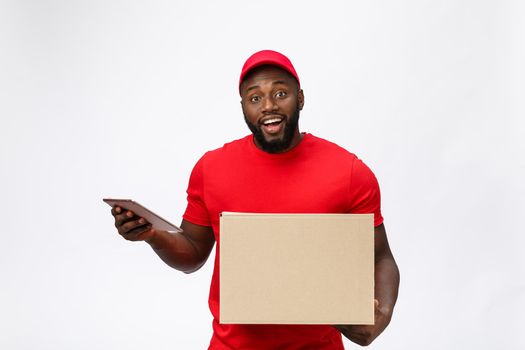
(176, 250)
(386, 276)
(386, 287)
(386, 283)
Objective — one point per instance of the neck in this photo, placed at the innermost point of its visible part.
(297, 137)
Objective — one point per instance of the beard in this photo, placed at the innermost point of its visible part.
(279, 145)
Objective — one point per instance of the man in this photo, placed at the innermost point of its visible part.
(278, 169)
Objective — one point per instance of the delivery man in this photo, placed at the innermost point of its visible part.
(275, 169)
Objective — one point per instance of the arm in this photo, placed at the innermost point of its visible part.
(386, 288)
(186, 251)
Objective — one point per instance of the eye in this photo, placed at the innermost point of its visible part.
(280, 94)
(255, 99)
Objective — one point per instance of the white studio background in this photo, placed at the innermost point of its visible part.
(120, 98)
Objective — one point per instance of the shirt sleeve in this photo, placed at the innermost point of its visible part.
(196, 210)
(365, 197)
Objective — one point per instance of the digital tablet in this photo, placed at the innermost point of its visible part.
(158, 222)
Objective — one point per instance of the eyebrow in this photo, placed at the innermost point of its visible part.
(276, 82)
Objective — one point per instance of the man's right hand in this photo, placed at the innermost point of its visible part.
(186, 251)
(130, 226)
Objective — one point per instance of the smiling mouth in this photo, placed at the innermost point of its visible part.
(272, 126)
(272, 121)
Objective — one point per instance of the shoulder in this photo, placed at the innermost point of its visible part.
(341, 155)
(229, 150)
(328, 148)
(235, 145)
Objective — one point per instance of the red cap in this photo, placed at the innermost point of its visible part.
(268, 57)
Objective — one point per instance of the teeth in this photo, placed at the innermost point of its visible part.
(273, 120)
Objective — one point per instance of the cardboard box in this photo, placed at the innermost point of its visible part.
(296, 268)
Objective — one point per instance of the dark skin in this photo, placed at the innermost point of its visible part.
(186, 251)
(386, 289)
(267, 93)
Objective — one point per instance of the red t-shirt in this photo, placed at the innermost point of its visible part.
(316, 176)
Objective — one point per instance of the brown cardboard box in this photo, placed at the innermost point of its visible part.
(296, 268)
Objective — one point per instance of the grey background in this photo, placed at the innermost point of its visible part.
(120, 98)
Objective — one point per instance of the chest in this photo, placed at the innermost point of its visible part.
(298, 187)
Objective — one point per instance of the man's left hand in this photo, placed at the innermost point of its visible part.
(365, 334)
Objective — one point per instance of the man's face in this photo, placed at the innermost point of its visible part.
(271, 102)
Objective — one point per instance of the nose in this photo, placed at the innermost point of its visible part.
(269, 104)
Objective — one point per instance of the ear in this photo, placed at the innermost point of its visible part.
(300, 99)
(242, 104)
